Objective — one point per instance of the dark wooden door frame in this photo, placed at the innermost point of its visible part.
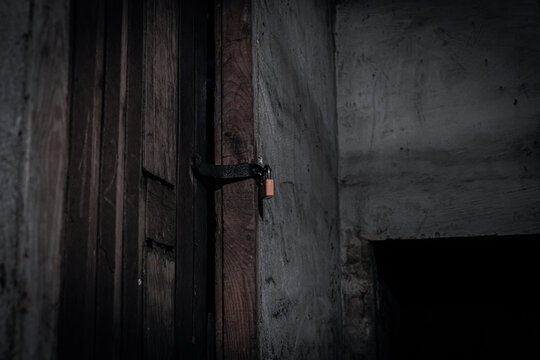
(236, 204)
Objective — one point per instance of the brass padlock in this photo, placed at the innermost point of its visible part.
(267, 188)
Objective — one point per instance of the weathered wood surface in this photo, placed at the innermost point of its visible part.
(77, 331)
(192, 319)
(201, 196)
(160, 119)
(239, 201)
(158, 302)
(136, 222)
(160, 213)
(134, 206)
(185, 184)
(111, 198)
(218, 195)
(160, 71)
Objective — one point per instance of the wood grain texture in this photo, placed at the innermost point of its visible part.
(158, 302)
(218, 195)
(111, 200)
(160, 73)
(185, 196)
(240, 199)
(76, 338)
(140, 296)
(160, 213)
(47, 107)
(193, 314)
(134, 233)
(201, 200)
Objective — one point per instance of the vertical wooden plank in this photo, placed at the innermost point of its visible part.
(158, 302)
(160, 69)
(193, 315)
(160, 118)
(160, 213)
(44, 177)
(201, 248)
(109, 254)
(159, 270)
(218, 195)
(76, 333)
(184, 195)
(134, 232)
(239, 199)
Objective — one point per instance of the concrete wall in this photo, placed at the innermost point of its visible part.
(33, 153)
(439, 130)
(13, 29)
(298, 246)
(439, 117)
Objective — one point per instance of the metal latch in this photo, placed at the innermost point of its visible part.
(237, 172)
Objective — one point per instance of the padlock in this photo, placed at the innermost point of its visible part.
(268, 183)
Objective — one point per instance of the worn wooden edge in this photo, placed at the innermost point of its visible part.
(239, 201)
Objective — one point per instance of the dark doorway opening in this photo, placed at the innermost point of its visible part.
(462, 298)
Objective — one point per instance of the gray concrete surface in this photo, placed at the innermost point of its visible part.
(298, 246)
(33, 151)
(439, 131)
(14, 29)
(439, 117)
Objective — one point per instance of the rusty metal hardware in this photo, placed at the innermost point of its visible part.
(237, 172)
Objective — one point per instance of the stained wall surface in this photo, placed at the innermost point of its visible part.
(439, 117)
(439, 131)
(34, 66)
(298, 246)
(12, 142)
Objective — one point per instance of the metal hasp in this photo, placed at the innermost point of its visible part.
(231, 173)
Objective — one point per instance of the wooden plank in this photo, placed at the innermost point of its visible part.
(160, 106)
(194, 318)
(160, 71)
(109, 254)
(44, 178)
(158, 302)
(76, 332)
(134, 232)
(201, 247)
(185, 183)
(218, 195)
(239, 199)
(160, 213)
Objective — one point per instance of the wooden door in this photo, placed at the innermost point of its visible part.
(135, 248)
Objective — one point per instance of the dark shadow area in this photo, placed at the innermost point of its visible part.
(463, 298)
